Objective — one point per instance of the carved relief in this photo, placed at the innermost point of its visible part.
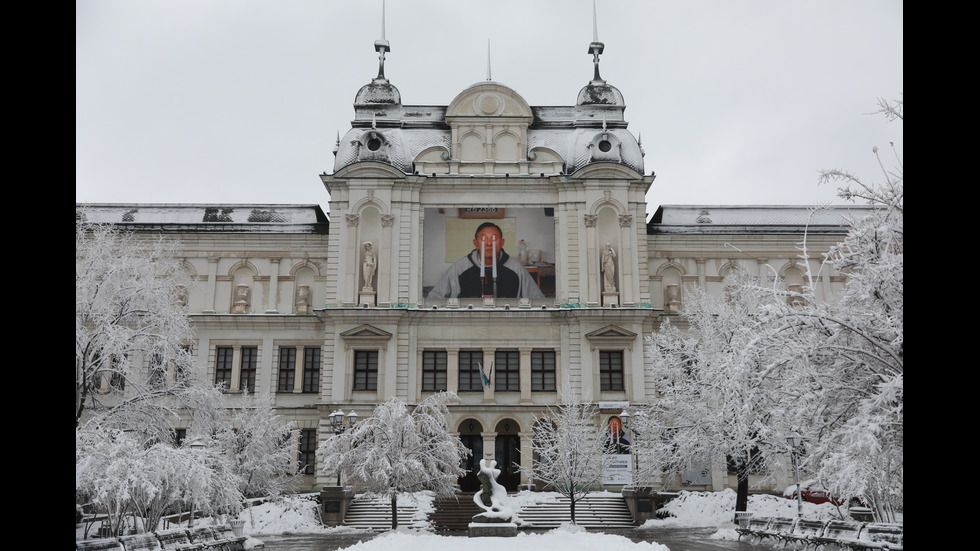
(625, 220)
(353, 220)
(387, 220)
(590, 220)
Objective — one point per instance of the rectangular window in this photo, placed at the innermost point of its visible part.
(311, 370)
(250, 362)
(470, 378)
(179, 436)
(611, 370)
(434, 368)
(307, 451)
(222, 366)
(287, 370)
(365, 370)
(543, 371)
(507, 365)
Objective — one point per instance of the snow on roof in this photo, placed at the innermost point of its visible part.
(217, 217)
(757, 218)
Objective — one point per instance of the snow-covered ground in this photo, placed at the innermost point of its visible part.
(688, 509)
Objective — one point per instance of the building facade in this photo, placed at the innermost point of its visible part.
(342, 314)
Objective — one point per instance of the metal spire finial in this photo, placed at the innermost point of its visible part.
(381, 46)
(596, 47)
(488, 60)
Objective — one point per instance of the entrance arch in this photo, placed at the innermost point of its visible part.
(470, 433)
(507, 453)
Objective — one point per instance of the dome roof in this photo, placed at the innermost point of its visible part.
(378, 91)
(597, 92)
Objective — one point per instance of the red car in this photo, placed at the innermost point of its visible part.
(815, 494)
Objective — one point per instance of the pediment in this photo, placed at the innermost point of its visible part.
(611, 336)
(365, 336)
(488, 99)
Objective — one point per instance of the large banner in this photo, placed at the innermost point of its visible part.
(619, 469)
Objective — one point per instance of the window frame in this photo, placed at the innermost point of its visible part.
(507, 371)
(224, 361)
(540, 370)
(435, 370)
(311, 370)
(608, 372)
(365, 377)
(473, 359)
(249, 371)
(307, 451)
(287, 369)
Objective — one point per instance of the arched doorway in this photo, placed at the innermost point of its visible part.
(470, 433)
(507, 453)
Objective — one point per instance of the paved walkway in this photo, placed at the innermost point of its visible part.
(677, 539)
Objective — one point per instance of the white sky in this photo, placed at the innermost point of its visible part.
(240, 101)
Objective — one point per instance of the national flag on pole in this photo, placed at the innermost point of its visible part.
(486, 376)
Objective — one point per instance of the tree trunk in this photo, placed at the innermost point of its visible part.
(394, 511)
(742, 495)
(571, 498)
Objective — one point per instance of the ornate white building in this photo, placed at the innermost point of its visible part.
(336, 314)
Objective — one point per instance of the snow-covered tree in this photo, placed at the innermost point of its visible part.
(399, 450)
(260, 443)
(127, 478)
(852, 409)
(570, 447)
(719, 388)
(133, 368)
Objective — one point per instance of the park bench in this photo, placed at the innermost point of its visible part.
(177, 539)
(99, 544)
(805, 531)
(756, 526)
(778, 529)
(877, 535)
(220, 538)
(141, 542)
(839, 531)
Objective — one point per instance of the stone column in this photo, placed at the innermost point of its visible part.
(525, 374)
(212, 282)
(452, 369)
(298, 371)
(236, 369)
(489, 445)
(272, 301)
(527, 446)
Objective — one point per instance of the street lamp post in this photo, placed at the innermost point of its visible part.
(337, 421)
(795, 442)
(197, 445)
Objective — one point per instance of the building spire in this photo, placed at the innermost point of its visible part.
(488, 60)
(381, 46)
(596, 47)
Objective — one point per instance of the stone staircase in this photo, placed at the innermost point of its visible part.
(608, 512)
(375, 514)
(455, 513)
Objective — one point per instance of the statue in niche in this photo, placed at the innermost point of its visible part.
(369, 265)
(303, 299)
(609, 268)
(673, 299)
(240, 305)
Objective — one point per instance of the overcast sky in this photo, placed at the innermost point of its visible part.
(240, 101)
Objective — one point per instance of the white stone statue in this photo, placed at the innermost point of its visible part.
(303, 300)
(609, 268)
(369, 265)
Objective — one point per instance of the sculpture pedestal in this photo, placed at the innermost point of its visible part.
(367, 298)
(610, 298)
(484, 525)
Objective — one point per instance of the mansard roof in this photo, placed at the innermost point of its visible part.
(752, 219)
(208, 217)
